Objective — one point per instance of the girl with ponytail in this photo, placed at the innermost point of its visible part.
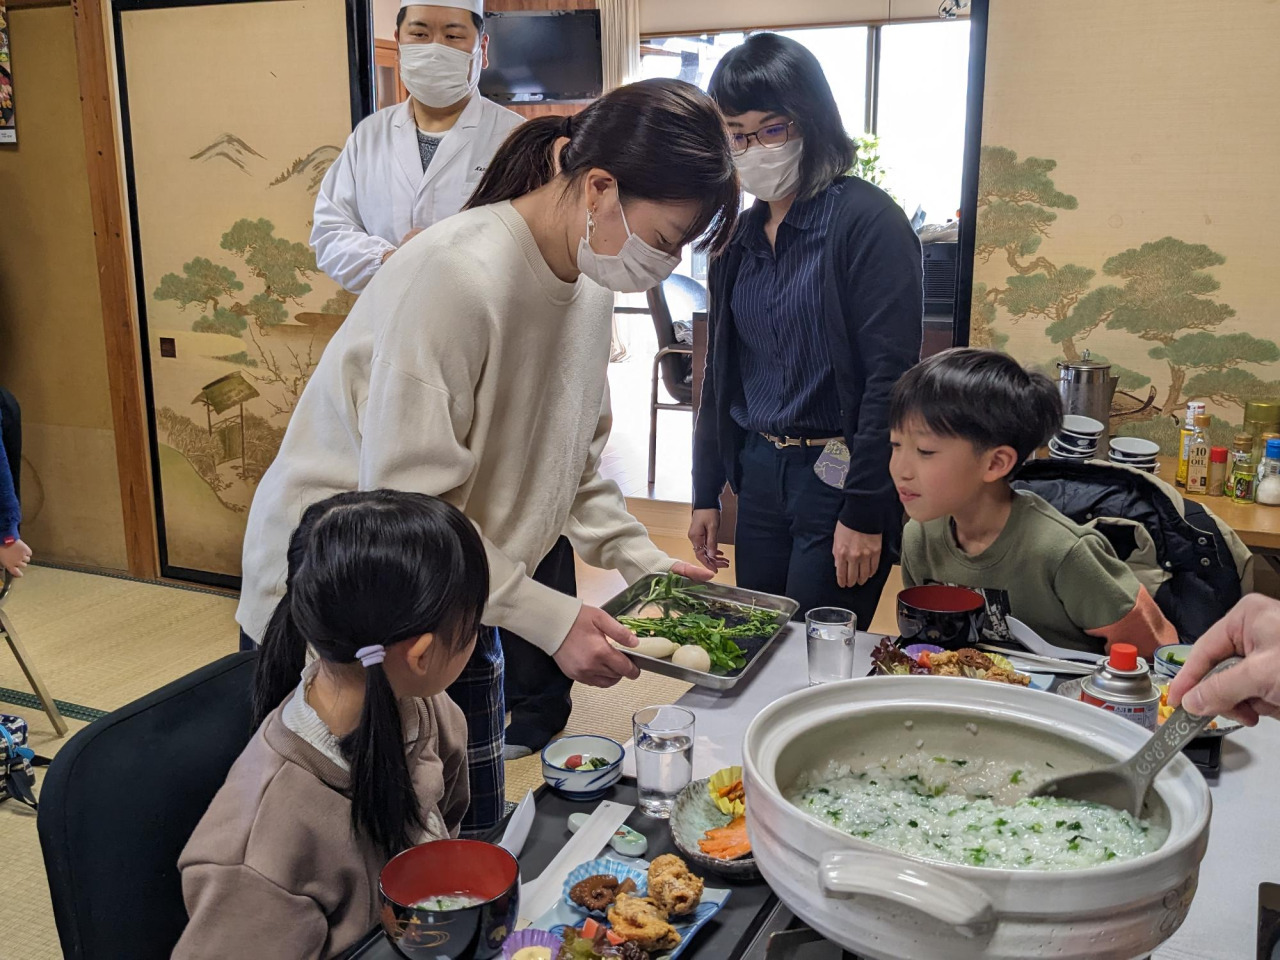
(473, 367)
(362, 758)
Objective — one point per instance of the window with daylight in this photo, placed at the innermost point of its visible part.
(903, 84)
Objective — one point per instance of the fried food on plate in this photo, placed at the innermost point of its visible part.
(642, 922)
(673, 887)
(968, 662)
(598, 892)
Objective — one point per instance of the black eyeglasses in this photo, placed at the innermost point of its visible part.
(770, 137)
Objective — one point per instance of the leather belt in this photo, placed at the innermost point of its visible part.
(783, 442)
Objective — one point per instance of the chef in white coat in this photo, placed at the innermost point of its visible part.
(414, 163)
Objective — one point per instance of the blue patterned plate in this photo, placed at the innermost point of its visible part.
(607, 867)
(564, 914)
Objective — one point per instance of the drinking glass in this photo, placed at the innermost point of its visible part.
(830, 632)
(664, 756)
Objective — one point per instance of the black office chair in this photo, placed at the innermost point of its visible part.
(120, 801)
(676, 298)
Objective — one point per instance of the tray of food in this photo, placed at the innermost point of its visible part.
(926, 659)
(622, 910)
(708, 634)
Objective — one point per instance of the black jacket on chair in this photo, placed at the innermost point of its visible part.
(873, 313)
(1193, 564)
(120, 801)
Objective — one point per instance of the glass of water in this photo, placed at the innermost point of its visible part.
(829, 632)
(664, 756)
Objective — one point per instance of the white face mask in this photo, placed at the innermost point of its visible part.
(635, 268)
(437, 75)
(770, 173)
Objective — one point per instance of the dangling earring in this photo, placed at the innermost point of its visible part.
(591, 223)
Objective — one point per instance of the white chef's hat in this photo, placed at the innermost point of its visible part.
(475, 6)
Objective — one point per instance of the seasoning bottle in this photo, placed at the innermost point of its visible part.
(1260, 418)
(1217, 471)
(1122, 684)
(1198, 456)
(1243, 475)
(1194, 409)
(1268, 489)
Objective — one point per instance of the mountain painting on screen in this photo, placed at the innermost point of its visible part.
(233, 124)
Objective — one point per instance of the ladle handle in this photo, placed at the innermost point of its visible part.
(1171, 736)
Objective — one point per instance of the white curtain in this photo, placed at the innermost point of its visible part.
(620, 41)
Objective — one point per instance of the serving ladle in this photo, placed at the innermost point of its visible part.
(1124, 785)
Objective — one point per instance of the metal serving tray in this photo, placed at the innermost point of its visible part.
(630, 600)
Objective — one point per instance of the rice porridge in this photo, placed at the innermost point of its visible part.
(972, 811)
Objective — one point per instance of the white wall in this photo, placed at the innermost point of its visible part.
(384, 18)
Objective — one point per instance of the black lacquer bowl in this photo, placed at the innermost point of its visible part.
(444, 868)
(948, 616)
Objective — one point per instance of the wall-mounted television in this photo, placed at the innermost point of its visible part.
(536, 57)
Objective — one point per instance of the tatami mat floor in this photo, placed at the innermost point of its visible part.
(99, 643)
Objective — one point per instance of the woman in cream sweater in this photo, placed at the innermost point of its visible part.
(473, 368)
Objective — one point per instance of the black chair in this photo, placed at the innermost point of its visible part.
(120, 801)
(676, 299)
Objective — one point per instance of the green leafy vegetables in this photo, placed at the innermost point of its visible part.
(687, 618)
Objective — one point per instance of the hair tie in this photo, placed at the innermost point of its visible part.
(371, 655)
(568, 127)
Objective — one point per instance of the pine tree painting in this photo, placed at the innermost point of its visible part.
(282, 268)
(259, 305)
(1162, 293)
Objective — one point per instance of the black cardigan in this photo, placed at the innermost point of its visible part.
(873, 306)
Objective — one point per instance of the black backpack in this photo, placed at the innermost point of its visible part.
(17, 779)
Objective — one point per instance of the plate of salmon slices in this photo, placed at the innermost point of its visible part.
(708, 836)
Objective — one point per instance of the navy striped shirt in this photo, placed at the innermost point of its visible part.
(788, 384)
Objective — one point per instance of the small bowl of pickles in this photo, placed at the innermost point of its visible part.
(582, 767)
(1169, 660)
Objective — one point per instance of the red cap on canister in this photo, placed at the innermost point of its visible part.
(1217, 454)
(1123, 656)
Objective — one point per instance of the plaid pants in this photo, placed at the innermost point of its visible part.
(478, 692)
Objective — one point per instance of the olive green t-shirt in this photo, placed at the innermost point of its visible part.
(1063, 581)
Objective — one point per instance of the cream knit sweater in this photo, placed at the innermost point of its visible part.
(467, 370)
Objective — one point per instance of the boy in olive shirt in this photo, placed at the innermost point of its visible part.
(961, 423)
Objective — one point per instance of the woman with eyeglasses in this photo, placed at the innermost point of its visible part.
(816, 309)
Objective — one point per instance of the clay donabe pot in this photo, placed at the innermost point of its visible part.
(884, 905)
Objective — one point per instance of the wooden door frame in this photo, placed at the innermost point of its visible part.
(111, 230)
(978, 16)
